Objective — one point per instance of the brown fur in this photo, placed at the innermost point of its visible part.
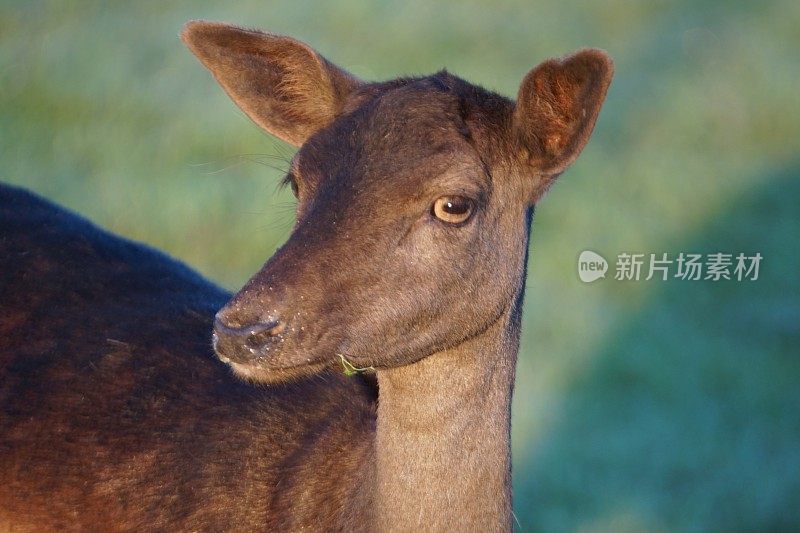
(115, 412)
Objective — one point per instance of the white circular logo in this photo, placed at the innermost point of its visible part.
(591, 266)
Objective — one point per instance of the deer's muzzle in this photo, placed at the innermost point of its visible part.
(243, 344)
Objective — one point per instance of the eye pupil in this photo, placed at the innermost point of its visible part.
(456, 207)
(453, 209)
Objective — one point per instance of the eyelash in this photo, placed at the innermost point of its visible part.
(290, 181)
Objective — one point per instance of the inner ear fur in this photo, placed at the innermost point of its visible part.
(557, 108)
(282, 84)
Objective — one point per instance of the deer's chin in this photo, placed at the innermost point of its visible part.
(266, 374)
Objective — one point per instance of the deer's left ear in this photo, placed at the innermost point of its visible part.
(557, 107)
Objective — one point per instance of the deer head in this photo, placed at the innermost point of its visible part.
(414, 201)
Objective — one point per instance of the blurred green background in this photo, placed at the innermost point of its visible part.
(643, 405)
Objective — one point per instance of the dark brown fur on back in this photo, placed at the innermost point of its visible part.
(115, 413)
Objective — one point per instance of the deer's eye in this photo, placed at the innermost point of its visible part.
(452, 209)
(291, 180)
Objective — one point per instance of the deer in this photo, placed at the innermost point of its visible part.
(136, 395)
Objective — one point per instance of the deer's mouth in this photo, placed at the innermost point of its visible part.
(269, 364)
(269, 352)
(246, 344)
(266, 373)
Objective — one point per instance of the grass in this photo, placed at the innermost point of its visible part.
(639, 405)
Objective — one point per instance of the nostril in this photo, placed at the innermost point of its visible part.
(277, 328)
(222, 329)
(253, 336)
(260, 334)
(226, 321)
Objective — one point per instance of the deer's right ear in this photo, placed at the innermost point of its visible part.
(283, 85)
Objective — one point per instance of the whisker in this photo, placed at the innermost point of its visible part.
(241, 158)
(283, 151)
(283, 208)
(221, 169)
(282, 225)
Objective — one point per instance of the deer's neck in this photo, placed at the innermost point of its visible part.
(443, 455)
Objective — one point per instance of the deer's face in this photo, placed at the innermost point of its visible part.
(405, 241)
(414, 202)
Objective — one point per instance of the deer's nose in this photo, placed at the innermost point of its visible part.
(241, 344)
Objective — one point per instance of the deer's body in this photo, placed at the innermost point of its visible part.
(115, 414)
(408, 257)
